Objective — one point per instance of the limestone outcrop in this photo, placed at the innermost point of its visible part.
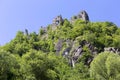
(82, 15)
(58, 20)
(77, 53)
(112, 49)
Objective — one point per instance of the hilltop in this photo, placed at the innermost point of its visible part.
(64, 50)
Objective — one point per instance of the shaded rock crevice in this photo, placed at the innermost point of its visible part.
(77, 53)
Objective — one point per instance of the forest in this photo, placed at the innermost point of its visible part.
(78, 50)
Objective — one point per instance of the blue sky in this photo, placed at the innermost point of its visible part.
(18, 15)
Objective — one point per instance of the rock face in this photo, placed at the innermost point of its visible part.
(112, 49)
(82, 15)
(58, 46)
(58, 20)
(66, 52)
(78, 52)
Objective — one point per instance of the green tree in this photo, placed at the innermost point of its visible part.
(105, 67)
(116, 41)
(41, 66)
(9, 66)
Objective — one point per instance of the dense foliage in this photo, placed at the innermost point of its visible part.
(106, 66)
(32, 56)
